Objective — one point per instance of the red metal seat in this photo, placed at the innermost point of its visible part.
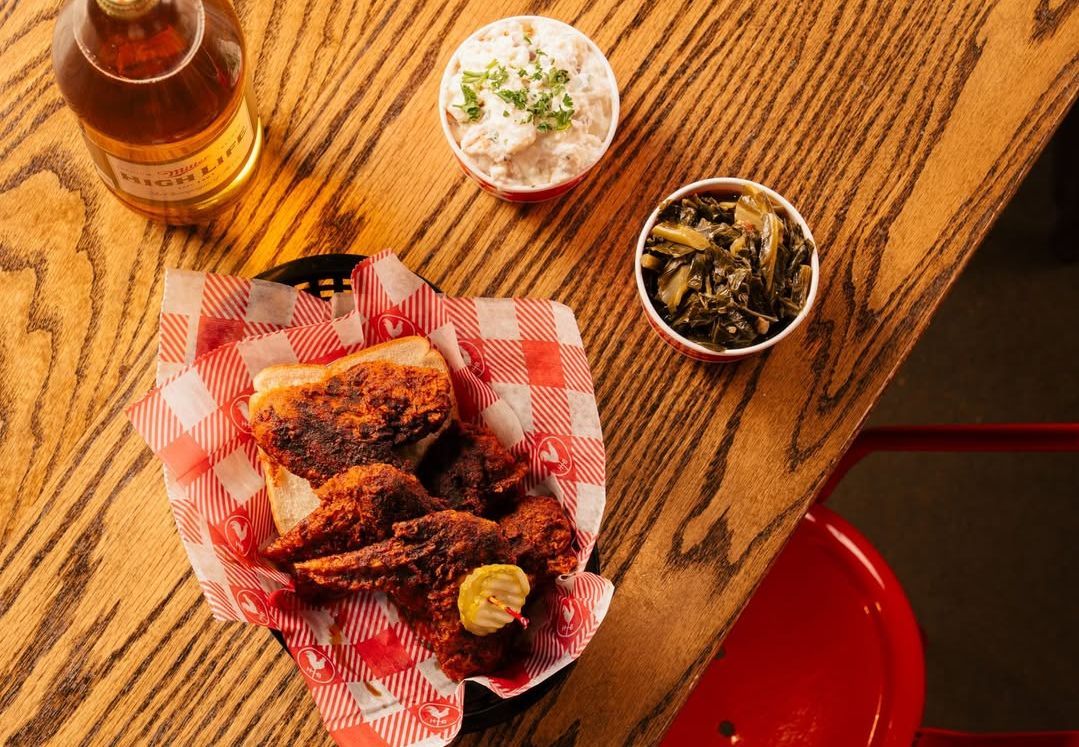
(943, 738)
(827, 652)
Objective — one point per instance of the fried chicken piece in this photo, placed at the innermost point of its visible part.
(472, 471)
(358, 507)
(355, 417)
(541, 538)
(421, 569)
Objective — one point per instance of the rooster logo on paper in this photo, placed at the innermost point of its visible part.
(390, 326)
(438, 715)
(569, 617)
(239, 535)
(473, 359)
(240, 414)
(252, 606)
(555, 455)
(314, 665)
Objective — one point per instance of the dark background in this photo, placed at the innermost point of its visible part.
(987, 545)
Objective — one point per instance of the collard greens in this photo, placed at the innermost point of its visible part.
(727, 273)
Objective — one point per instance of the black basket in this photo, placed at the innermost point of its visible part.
(323, 275)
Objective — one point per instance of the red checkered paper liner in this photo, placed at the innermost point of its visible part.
(518, 365)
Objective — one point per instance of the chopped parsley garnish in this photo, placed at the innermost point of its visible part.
(544, 100)
(541, 107)
(498, 76)
(472, 106)
(473, 79)
(518, 97)
(562, 118)
(557, 77)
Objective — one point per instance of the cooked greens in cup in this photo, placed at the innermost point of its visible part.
(727, 270)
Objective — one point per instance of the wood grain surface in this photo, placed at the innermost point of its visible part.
(898, 128)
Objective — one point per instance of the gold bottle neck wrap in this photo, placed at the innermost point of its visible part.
(126, 8)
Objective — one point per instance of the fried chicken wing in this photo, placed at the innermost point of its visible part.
(421, 568)
(540, 537)
(358, 507)
(472, 471)
(352, 418)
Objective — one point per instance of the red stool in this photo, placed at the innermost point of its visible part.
(827, 652)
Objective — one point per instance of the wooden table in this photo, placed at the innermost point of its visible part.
(899, 129)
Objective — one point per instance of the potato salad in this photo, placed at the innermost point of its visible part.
(529, 102)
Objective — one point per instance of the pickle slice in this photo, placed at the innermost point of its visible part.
(492, 596)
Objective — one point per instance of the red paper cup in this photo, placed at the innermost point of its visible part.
(543, 191)
(688, 348)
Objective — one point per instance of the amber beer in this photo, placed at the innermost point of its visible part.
(161, 91)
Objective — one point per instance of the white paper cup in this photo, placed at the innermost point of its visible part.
(726, 186)
(540, 192)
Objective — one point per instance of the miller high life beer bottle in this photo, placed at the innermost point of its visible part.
(161, 92)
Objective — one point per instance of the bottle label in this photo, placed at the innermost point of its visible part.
(191, 177)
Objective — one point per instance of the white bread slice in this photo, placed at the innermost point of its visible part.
(405, 351)
(291, 497)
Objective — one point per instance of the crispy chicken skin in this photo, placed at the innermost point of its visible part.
(541, 538)
(358, 507)
(352, 418)
(420, 569)
(472, 471)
